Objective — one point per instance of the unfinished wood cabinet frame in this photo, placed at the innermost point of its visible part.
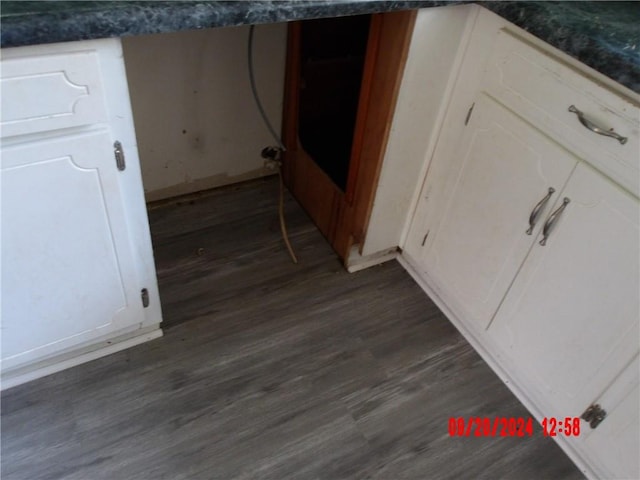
(342, 217)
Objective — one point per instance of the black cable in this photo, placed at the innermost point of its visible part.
(255, 91)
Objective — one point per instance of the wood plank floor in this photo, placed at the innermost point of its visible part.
(271, 370)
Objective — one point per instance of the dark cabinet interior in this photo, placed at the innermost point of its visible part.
(332, 53)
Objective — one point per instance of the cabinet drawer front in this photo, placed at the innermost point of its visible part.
(50, 92)
(541, 88)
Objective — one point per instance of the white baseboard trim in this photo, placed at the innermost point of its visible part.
(83, 355)
(357, 262)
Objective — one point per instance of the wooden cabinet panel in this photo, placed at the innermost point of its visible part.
(342, 216)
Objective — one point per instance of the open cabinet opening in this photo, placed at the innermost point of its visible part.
(332, 54)
(332, 82)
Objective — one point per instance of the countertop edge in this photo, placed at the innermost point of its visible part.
(123, 19)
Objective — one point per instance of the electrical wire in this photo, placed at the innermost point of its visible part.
(254, 90)
(283, 225)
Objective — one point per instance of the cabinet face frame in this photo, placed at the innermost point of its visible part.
(342, 216)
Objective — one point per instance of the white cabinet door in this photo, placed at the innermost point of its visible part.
(569, 324)
(68, 266)
(500, 170)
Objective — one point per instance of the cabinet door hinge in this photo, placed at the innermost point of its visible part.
(594, 415)
(119, 154)
(425, 237)
(144, 294)
(466, 121)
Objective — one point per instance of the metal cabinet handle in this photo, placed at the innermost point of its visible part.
(533, 218)
(551, 221)
(595, 128)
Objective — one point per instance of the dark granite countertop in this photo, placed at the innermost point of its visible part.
(33, 22)
(604, 35)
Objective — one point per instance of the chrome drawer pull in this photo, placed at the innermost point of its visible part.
(533, 218)
(596, 129)
(551, 221)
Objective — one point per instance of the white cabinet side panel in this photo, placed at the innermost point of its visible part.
(434, 57)
(122, 129)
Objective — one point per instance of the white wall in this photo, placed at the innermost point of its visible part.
(196, 121)
(436, 50)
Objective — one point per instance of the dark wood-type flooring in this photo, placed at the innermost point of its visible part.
(271, 370)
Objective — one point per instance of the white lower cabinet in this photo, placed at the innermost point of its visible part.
(68, 267)
(554, 308)
(500, 171)
(78, 279)
(570, 321)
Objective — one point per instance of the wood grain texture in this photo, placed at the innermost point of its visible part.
(342, 217)
(368, 76)
(394, 41)
(308, 183)
(271, 370)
